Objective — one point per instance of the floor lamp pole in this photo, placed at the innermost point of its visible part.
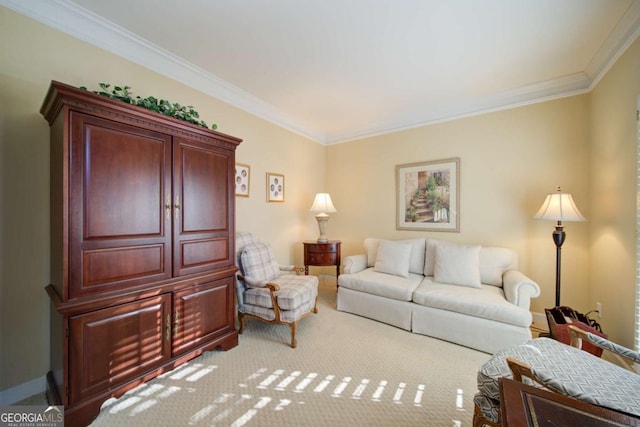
(558, 238)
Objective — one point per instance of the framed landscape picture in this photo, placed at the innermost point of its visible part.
(275, 187)
(428, 196)
(243, 179)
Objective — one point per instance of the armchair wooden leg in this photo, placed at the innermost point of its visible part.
(294, 327)
(480, 421)
(241, 320)
(315, 305)
(477, 417)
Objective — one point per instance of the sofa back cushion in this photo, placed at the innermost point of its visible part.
(393, 258)
(494, 261)
(416, 259)
(457, 264)
(430, 256)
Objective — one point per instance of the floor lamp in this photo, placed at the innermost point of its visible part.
(559, 207)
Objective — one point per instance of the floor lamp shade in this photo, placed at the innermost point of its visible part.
(559, 206)
(322, 207)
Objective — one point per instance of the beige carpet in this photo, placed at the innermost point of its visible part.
(346, 371)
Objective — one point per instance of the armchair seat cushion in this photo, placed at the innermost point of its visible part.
(566, 370)
(294, 292)
(496, 367)
(487, 302)
(287, 316)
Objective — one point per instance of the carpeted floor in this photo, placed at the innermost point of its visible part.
(346, 371)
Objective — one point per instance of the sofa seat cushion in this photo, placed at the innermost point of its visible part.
(487, 302)
(381, 284)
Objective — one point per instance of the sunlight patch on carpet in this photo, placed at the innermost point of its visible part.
(246, 406)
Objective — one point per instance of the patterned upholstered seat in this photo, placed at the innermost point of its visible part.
(561, 368)
(268, 291)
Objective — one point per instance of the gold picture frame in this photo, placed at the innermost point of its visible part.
(275, 187)
(428, 196)
(243, 180)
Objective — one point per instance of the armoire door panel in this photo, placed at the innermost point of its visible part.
(206, 251)
(202, 313)
(204, 190)
(123, 183)
(114, 344)
(203, 183)
(103, 266)
(120, 204)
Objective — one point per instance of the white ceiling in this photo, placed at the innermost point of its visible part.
(336, 70)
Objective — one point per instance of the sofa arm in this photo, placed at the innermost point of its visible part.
(519, 289)
(355, 263)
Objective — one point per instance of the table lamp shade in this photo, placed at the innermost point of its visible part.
(323, 204)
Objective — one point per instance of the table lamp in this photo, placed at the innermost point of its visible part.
(322, 207)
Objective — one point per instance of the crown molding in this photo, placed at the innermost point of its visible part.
(84, 25)
(566, 86)
(623, 35)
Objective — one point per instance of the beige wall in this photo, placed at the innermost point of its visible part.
(32, 56)
(613, 197)
(509, 160)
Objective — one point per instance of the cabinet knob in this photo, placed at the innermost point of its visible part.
(167, 206)
(168, 328)
(177, 206)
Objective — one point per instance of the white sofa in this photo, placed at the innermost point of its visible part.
(467, 294)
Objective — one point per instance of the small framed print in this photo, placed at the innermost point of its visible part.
(275, 187)
(243, 175)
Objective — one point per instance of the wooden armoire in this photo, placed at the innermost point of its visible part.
(142, 246)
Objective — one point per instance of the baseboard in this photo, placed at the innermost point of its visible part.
(22, 391)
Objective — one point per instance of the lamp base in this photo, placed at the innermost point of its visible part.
(322, 219)
(558, 238)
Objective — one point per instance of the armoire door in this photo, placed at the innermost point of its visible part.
(202, 313)
(203, 207)
(120, 206)
(110, 346)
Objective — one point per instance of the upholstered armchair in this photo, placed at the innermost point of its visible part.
(565, 369)
(269, 292)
